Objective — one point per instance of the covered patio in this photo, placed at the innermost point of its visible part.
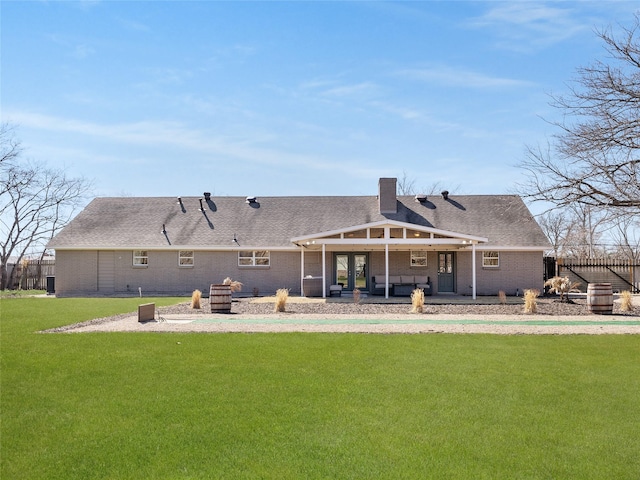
(383, 237)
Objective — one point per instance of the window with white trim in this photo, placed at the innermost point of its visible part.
(185, 258)
(490, 259)
(254, 258)
(140, 258)
(418, 258)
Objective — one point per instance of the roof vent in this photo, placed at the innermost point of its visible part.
(207, 196)
(251, 200)
(421, 197)
(445, 194)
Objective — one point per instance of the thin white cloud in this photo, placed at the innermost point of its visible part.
(74, 48)
(87, 4)
(133, 25)
(357, 89)
(169, 76)
(459, 77)
(526, 26)
(220, 56)
(83, 51)
(244, 50)
(158, 135)
(405, 113)
(337, 87)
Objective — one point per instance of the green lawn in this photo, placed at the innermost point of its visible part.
(291, 406)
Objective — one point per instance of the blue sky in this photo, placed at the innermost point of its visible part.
(291, 98)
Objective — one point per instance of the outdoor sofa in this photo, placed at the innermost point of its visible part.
(401, 285)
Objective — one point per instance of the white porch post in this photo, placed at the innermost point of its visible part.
(473, 270)
(324, 271)
(302, 272)
(386, 270)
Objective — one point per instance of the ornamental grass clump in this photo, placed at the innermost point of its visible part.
(234, 284)
(282, 295)
(356, 295)
(195, 299)
(417, 300)
(626, 301)
(502, 297)
(563, 286)
(530, 303)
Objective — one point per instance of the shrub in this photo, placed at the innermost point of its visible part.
(530, 304)
(502, 297)
(282, 295)
(561, 285)
(235, 285)
(195, 299)
(417, 300)
(626, 301)
(356, 295)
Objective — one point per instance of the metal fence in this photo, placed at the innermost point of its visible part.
(621, 274)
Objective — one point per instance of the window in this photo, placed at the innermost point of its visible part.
(396, 232)
(140, 258)
(491, 259)
(356, 234)
(376, 232)
(418, 258)
(185, 258)
(255, 258)
(416, 234)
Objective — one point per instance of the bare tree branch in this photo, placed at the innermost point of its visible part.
(594, 160)
(35, 203)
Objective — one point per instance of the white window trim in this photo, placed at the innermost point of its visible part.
(141, 260)
(254, 258)
(182, 257)
(419, 254)
(486, 257)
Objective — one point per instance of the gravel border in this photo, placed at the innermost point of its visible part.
(313, 315)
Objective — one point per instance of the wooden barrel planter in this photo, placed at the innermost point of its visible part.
(220, 298)
(600, 298)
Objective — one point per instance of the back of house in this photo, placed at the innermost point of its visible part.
(466, 244)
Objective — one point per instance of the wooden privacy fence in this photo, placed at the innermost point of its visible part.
(621, 274)
(33, 275)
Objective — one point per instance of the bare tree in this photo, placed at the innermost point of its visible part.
(10, 147)
(626, 234)
(555, 226)
(594, 160)
(407, 186)
(576, 231)
(35, 203)
(585, 232)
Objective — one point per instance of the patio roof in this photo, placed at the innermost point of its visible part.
(390, 234)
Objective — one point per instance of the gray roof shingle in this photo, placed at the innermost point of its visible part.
(137, 222)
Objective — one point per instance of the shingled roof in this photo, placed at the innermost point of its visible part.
(271, 222)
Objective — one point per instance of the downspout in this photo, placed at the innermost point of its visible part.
(473, 270)
(324, 272)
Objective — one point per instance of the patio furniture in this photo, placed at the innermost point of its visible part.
(335, 290)
(312, 286)
(401, 285)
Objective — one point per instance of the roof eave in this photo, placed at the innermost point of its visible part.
(392, 223)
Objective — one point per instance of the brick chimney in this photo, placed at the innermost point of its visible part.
(387, 199)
